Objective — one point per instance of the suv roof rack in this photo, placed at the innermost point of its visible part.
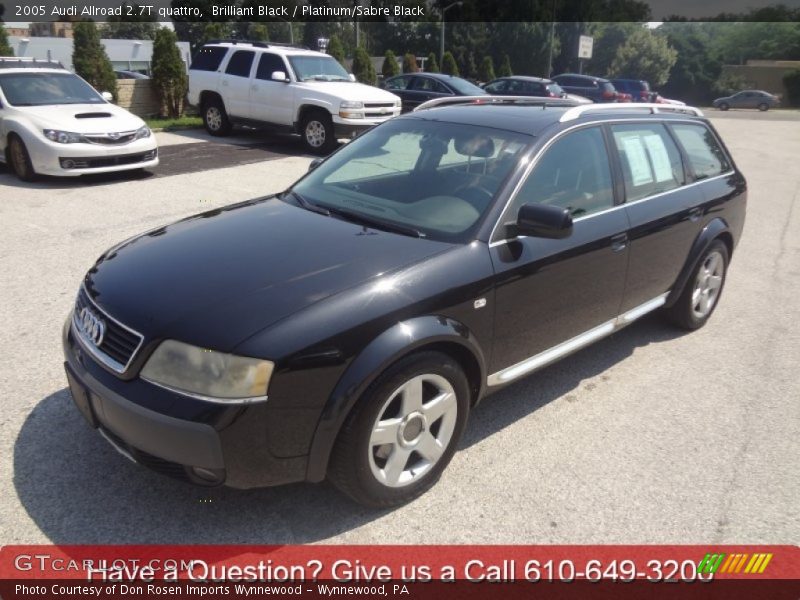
(25, 62)
(519, 100)
(578, 111)
(257, 44)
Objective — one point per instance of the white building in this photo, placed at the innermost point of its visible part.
(125, 55)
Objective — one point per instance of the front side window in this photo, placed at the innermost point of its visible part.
(574, 173)
(318, 68)
(498, 87)
(437, 178)
(397, 83)
(39, 89)
(704, 152)
(426, 84)
(268, 64)
(651, 163)
(240, 63)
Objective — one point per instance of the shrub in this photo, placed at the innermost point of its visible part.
(336, 50)
(486, 71)
(362, 67)
(390, 67)
(5, 47)
(169, 74)
(90, 59)
(505, 67)
(410, 63)
(431, 66)
(792, 82)
(449, 66)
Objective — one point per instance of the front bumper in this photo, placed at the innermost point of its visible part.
(50, 158)
(350, 128)
(228, 445)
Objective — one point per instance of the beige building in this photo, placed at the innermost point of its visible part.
(764, 75)
(59, 29)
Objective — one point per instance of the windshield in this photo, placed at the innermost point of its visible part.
(318, 68)
(462, 86)
(434, 178)
(40, 89)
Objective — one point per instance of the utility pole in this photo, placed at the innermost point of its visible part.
(441, 40)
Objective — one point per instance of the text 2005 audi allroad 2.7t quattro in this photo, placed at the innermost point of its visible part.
(345, 327)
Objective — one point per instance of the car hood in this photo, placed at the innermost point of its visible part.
(348, 90)
(216, 278)
(83, 118)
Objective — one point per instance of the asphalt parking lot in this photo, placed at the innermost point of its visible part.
(650, 436)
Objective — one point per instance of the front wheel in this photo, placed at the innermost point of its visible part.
(724, 106)
(215, 118)
(402, 432)
(763, 106)
(701, 294)
(20, 159)
(316, 129)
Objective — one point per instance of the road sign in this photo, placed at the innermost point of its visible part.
(585, 46)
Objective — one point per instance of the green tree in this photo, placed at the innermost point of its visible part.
(390, 68)
(449, 65)
(792, 82)
(486, 70)
(729, 83)
(169, 73)
(5, 47)
(645, 55)
(90, 59)
(505, 67)
(698, 65)
(608, 39)
(137, 26)
(410, 63)
(362, 67)
(431, 66)
(336, 50)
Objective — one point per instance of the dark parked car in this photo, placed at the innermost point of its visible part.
(748, 99)
(524, 86)
(639, 89)
(596, 89)
(416, 88)
(345, 328)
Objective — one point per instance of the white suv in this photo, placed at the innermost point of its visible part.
(287, 88)
(54, 123)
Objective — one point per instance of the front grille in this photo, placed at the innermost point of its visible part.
(107, 161)
(106, 139)
(379, 105)
(118, 345)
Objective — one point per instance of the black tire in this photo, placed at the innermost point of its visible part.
(688, 312)
(19, 159)
(724, 106)
(763, 107)
(316, 129)
(215, 118)
(361, 468)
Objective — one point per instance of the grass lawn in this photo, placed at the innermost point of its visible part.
(185, 122)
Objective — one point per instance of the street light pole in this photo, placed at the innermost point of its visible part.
(441, 40)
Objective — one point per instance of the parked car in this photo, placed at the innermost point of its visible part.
(639, 89)
(451, 252)
(131, 75)
(287, 88)
(416, 88)
(520, 85)
(748, 99)
(54, 123)
(596, 89)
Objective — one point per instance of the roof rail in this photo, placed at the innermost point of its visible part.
(578, 111)
(28, 62)
(256, 43)
(519, 100)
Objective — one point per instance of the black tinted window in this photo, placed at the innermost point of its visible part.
(573, 173)
(208, 59)
(268, 64)
(705, 155)
(651, 163)
(496, 87)
(397, 83)
(240, 63)
(427, 84)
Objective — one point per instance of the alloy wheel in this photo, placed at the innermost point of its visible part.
(213, 118)
(708, 284)
(315, 134)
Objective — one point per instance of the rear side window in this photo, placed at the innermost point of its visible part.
(268, 64)
(208, 58)
(574, 173)
(240, 63)
(705, 155)
(651, 163)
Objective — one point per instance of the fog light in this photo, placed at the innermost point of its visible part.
(68, 164)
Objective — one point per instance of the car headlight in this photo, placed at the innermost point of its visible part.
(208, 374)
(142, 132)
(351, 104)
(62, 137)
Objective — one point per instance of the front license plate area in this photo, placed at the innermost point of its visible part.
(80, 395)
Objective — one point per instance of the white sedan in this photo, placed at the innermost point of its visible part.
(54, 123)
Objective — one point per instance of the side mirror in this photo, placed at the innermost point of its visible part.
(107, 96)
(314, 164)
(544, 221)
(279, 76)
(352, 77)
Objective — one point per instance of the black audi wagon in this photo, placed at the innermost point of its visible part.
(345, 328)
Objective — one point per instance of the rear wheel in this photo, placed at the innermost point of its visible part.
(701, 294)
(763, 106)
(403, 432)
(215, 118)
(20, 160)
(724, 106)
(316, 128)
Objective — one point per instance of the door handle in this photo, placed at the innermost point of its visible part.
(619, 242)
(695, 213)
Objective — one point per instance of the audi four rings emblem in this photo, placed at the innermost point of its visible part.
(92, 326)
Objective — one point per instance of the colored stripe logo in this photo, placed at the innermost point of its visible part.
(752, 564)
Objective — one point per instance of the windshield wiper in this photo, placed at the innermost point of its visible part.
(374, 223)
(306, 204)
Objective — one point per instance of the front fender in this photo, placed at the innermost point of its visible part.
(708, 234)
(394, 343)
